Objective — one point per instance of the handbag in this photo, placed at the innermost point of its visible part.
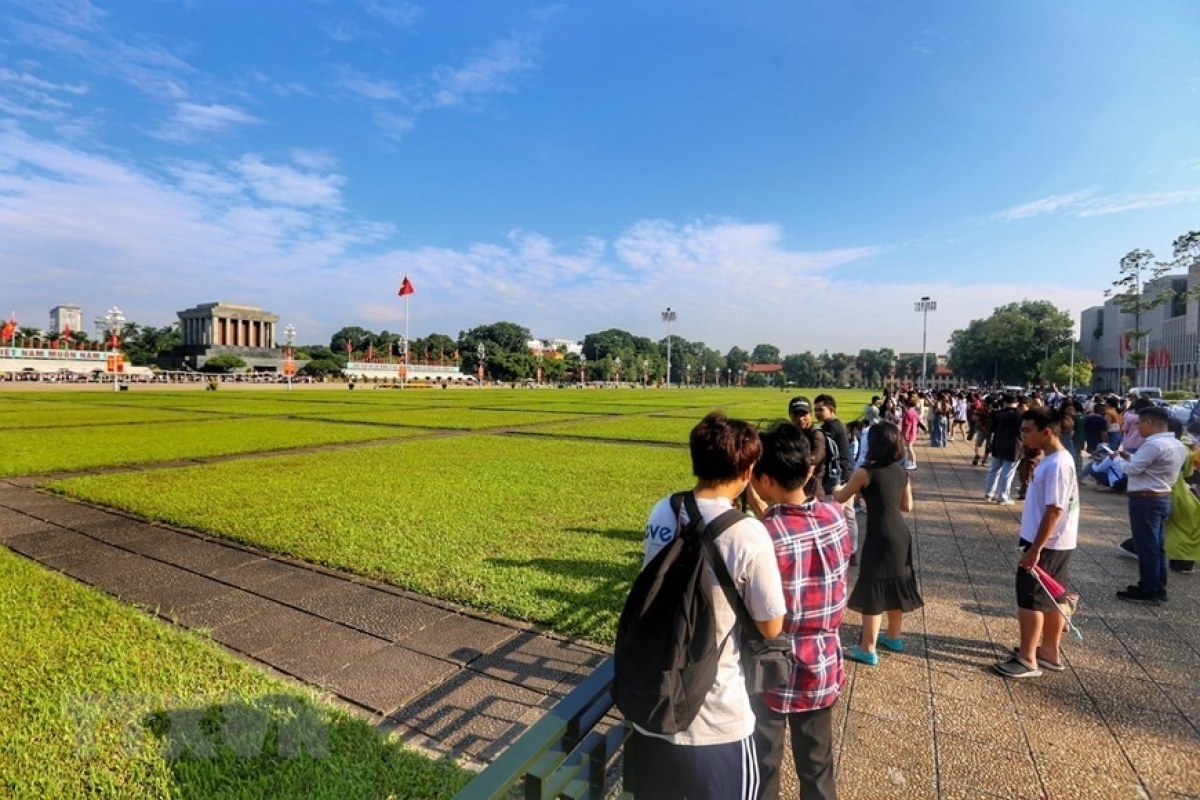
(766, 663)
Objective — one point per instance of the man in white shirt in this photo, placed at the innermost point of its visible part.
(1152, 471)
(1049, 530)
(715, 758)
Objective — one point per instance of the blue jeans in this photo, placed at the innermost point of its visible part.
(998, 482)
(937, 431)
(1148, 523)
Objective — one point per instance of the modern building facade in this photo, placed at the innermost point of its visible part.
(1170, 346)
(67, 317)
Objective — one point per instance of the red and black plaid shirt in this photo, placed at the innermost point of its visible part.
(813, 550)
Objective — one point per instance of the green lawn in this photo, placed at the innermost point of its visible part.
(543, 530)
(99, 700)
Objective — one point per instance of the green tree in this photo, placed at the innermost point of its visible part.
(223, 363)
(507, 351)
(765, 354)
(802, 369)
(736, 359)
(1009, 345)
(357, 338)
(875, 364)
(320, 367)
(1057, 369)
(1137, 268)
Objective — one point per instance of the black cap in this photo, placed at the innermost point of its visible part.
(799, 405)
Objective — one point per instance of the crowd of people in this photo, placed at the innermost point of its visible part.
(802, 483)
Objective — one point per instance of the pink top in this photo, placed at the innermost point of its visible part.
(908, 425)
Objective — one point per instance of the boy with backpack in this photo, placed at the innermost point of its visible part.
(679, 676)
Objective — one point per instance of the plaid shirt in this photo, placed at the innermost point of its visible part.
(813, 550)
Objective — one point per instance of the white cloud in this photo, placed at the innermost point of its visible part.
(193, 119)
(1084, 204)
(490, 72)
(359, 84)
(399, 15)
(289, 186)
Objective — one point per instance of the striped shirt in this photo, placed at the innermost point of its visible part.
(813, 550)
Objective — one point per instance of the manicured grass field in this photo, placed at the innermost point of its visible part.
(543, 530)
(99, 700)
(39, 450)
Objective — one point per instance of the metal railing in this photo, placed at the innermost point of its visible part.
(567, 753)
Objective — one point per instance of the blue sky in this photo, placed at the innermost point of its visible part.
(795, 173)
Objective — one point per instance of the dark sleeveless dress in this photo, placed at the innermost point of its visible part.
(886, 581)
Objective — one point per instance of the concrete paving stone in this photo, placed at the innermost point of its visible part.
(387, 678)
(901, 743)
(107, 572)
(537, 662)
(89, 554)
(1135, 721)
(858, 776)
(964, 765)
(256, 633)
(205, 557)
(14, 524)
(459, 638)
(222, 607)
(118, 531)
(377, 612)
(977, 684)
(324, 648)
(1063, 738)
(162, 544)
(1165, 769)
(883, 700)
(1078, 779)
(40, 544)
(296, 584)
(990, 725)
(167, 590)
(470, 712)
(74, 515)
(254, 575)
(900, 672)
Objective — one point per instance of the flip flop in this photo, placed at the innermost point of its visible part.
(1045, 663)
(1016, 668)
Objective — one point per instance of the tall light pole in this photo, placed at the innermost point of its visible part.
(481, 352)
(289, 362)
(114, 320)
(668, 317)
(617, 361)
(924, 305)
(583, 369)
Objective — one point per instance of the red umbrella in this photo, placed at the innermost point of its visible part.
(1066, 602)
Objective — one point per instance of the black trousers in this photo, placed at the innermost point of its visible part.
(812, 750)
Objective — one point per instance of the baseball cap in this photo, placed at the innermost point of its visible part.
(799, 405)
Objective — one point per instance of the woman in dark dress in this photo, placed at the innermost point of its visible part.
(886, 581)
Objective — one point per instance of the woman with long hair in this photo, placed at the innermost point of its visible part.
(887, 583)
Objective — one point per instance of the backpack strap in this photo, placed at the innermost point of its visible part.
(708, 535)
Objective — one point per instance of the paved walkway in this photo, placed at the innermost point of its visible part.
(1123, 721)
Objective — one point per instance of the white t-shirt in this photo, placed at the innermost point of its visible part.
(749, 554)
(1053, 484)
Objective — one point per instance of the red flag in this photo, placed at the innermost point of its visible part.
(9, 330)
(370, 350)
(406, 287)
(349, 347)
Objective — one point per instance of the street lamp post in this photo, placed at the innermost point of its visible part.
(617, 361)
(289, 356)
(924, 305)
(728, 377)
(114, 320)
(687, 373)
(703, 376)
(645, 371)
(668, 317)
(583, 369)
(539, 358)
(481, 352)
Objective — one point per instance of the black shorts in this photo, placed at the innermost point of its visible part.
(1030, 594)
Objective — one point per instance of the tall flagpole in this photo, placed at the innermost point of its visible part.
(406, 339)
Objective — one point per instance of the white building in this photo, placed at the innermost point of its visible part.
(1171, 345)
(66, 317)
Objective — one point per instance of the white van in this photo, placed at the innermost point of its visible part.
(1153, 392)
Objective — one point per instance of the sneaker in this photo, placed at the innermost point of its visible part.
(1179, 565)
(1136, 594)
(1006, 501)
(1016, 668)
(975, 461)
(910, 465)
(1126, 548)
(987, 498)
(861, 656)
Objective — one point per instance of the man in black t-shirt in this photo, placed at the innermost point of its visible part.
(825, 410)
(1005, 438)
